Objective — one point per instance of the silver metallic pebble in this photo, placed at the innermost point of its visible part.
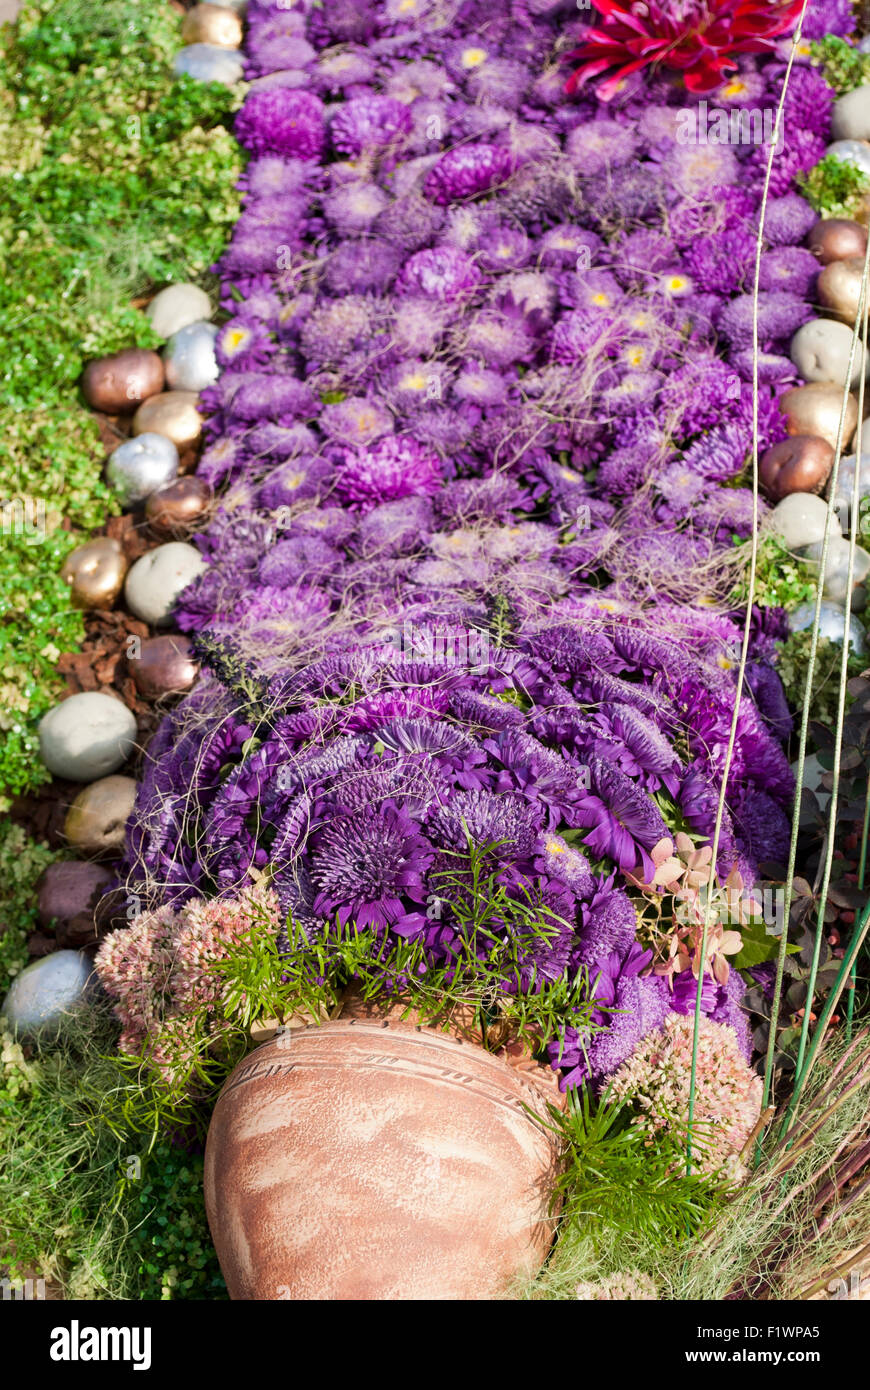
(189, 357)
(846, 485)
(837, 566)
(832, 624)
(207, 62)
(47, 990)
(140, 466)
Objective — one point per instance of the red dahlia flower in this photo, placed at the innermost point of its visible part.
(696, 36)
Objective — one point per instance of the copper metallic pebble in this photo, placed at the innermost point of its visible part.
(172, 413)
(95, 573)
(837, 239)
(839, 288)
(164, 666)
(179, 507)
(800, 464)
(815, 409)
(96, 820)
(212, 24)
(118, 384)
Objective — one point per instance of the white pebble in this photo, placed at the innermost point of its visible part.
(155, 581)
(86, 737)
(208, 62)
(821, 349)
(850, 119)
(800, 519)
(177, 306)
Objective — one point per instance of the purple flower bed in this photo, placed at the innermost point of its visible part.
(480, 434)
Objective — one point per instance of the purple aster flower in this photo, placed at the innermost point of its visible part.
(263, 396)
(271, 441)
(567, 247)
(801, 151)
(504, 248)
(362, 266)
(357, 420)
(296, 481)
(271, 51)
(779, 316)
(397, 466)
(825, 17)
(243, 342)
(788, 219)
(298, 559)
(501, 335)
(723, 262)
(441, 273)
(282, 121)
(270, 176)
(789, 268)
(481, 385)
(466, 172)
(410, 222)
(600, 145)
(695, 170)
(348, 67)
(369, 123)
(369, 867)
(624, 823)
(498, 82)
(354, 207)
(394, 528)
(507, 822)
(808, 102)
(335, 328)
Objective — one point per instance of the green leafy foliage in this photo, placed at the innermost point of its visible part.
(22, 860)
(834, 188)
(843, 65)
(792, 663)
(781, 580)
(169, 1234)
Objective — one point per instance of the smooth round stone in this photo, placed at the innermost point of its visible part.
(155, 581)
(836, 583)
(176, 307)
(95, 572)
(116, 385)
(173, 414)
(87, 736)
(820, 350)
(850, 117)
(799, 519)
(800, 463)
(855, 152)
(207, 62)
(212, 24)
(832, 624)
(141, 465)
(179, 508)
(68, 892)
(96, 820)
(837, 239)
(49, 989)
(815, 409)
(846, 486)
(189, 357)
(839, 289)
(164, 666)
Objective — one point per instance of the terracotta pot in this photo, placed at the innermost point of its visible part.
(365, 1161)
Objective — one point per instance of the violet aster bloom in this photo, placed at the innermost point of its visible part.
(369, 867)
(723, 262)
(362, 266)
(335, 327)
(270, 176)
(504, 248)
(498, 82)
(262, 396)
(808, 102)
(296, 481)
(244, 343)
(801, 151)
(441, 273)
(297, 559)
(779, 316)
(599, 145)
(357, 420)
(466, 172)
(789, 268)
(409, 222)
(282, 121)
(369, 123)
(788, 219)
(567, 247)
(828, 17)
(347, 68)
(397, 466)
(354, 207)
(272, 52)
